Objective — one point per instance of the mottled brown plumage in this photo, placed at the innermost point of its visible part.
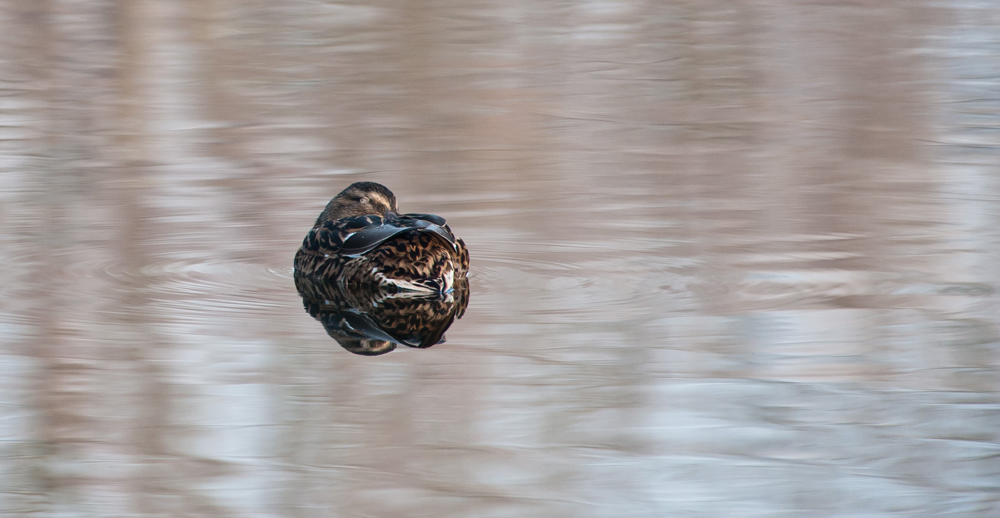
(375, 278)
(369, 322)
(359, 241)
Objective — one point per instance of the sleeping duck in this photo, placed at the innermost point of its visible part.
(360, 241)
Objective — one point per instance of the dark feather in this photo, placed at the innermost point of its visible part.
(363, 256)
(371, 323)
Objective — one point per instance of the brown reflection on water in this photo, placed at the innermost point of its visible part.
(730, 259)
(371, 322)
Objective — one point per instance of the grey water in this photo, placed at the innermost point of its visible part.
(729, 259)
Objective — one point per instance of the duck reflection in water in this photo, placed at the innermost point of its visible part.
(375, 278)
(371, 323)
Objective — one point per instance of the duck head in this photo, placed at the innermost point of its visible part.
(360, 199)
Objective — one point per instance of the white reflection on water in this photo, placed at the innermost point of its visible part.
(729, 259)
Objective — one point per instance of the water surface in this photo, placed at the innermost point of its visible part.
(729, 258)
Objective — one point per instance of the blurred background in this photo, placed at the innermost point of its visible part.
(730, 258)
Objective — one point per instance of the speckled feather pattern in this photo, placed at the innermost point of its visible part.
(375, 278)
(414, 320)
(416, 258)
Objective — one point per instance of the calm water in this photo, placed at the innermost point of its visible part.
(730, 259)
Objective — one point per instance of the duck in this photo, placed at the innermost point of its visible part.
(361, 242)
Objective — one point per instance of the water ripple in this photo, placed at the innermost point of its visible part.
(195, 282)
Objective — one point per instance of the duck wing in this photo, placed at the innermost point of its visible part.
(329, 238)
(431, 223)
(371, 236)
(355, 236)
(366, 239)
(431, 218)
